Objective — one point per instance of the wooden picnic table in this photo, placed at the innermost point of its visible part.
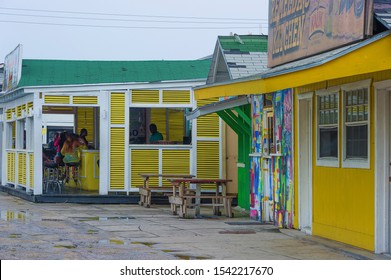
(145, 191)
(184, 199)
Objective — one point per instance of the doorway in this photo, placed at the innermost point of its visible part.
(305, 163)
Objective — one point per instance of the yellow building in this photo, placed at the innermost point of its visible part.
(341, 113)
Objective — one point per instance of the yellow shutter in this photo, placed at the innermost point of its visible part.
(145, 96)
(31, 158)
(208, 126)
(176, 96)
(56, 99)
(18, 111)
(144, 161)
(208, 159)
(85, 119)
(175, 162)
(117, 108)
(158, 117)
(85, 100)
(22, 169)
(9, 114)
(117, 158)
(176, 125)
(11, 167)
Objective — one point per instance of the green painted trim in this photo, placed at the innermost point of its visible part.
(243, 115)
(244, 126)
(231, 122)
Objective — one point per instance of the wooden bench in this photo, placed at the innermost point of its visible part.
(146, 190)
(187, 201)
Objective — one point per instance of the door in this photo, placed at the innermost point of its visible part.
(305, 164)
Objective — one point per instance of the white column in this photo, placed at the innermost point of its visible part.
(104, 147)
(37, 146)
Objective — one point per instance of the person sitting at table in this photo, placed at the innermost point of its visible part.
(83, 134)
(71, 149)
(155, 134)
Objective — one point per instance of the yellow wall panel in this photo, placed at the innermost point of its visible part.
(85, 100)
(117, 158)
(209, 125)
(208, 159)
(117, 108)
(11, 167)
(145, 96)
(343, 198)
(158, 117)
(176, 125)
(175, 162)
(144, 161)
(22, 170)
(85, 119)
(31, 158)
(176, 96)
(56, 99)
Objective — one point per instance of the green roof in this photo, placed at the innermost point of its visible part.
(251, 43)
(38, 72)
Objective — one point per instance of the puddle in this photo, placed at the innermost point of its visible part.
(238, 232)
(97, 218)
(92, 231)
(65, 246)
(169, 251)
(148, 244)
(8, 215)
(52, 220)
(245, 223)
(188, 257)
(113, 241)
(15, 235)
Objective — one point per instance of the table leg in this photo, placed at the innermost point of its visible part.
(198, 200)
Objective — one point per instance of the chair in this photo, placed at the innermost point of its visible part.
(51, 178)
(74, 167)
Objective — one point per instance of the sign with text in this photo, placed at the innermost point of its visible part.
(12, 69)
(301, 28)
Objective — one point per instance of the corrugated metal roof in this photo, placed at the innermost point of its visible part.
(37, 72)
(382, 9)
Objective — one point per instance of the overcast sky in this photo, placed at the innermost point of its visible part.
(46, 33)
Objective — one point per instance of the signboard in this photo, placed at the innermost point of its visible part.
(12, 69)
(301, 28)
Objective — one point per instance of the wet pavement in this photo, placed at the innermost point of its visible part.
(121, 232)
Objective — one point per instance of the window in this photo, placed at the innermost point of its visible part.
(170, 123)
(356, 128)
(327, 112)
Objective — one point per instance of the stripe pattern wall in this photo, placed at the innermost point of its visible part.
(144, 161)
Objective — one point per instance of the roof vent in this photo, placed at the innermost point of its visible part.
(237, 39)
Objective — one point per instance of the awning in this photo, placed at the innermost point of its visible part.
(230, 111)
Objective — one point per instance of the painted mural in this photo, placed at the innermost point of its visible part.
(271, 163)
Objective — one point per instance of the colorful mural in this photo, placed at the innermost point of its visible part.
(271, 168)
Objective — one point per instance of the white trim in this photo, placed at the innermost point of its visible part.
(326, 162)
(160, 165)
(357, 85)
(382, 85)
(310, 115)
(212, 139)
(356, 163)
(156, 105)
(127, 151)
(305, 95)
(382, 167)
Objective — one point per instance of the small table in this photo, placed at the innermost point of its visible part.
(183, 200)
(145, 190)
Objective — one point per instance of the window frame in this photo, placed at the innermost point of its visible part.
(356, 162)
(327, 161)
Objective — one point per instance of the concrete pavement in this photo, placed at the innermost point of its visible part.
(91, 231)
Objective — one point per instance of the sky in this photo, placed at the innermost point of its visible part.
(143, 30)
